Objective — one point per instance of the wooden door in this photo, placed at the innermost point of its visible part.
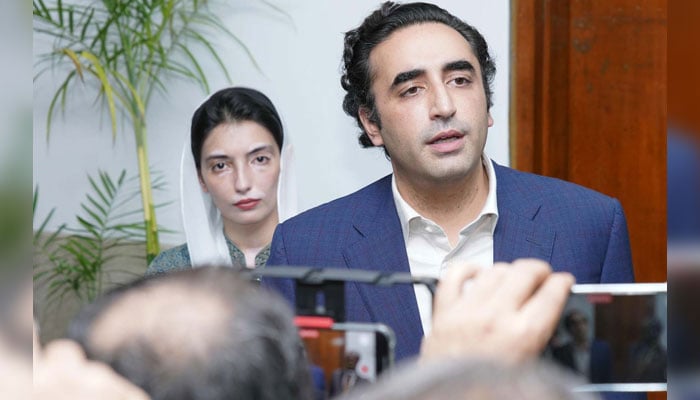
(588, 105)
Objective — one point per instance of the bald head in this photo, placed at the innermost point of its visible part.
(462, 379)
(181, 322)
(202, 333)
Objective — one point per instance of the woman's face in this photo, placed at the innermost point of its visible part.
(240, 167)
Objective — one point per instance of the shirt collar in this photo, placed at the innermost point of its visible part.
(407, 213)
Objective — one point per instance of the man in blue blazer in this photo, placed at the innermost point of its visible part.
(418, 83)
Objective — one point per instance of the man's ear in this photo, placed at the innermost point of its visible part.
(371, 128)
(490, 120)
(201, 182)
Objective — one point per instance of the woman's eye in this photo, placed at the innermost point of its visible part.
(218, 166)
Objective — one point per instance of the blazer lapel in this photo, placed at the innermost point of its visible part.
(381, 247)
(518, 234)
(518, 237)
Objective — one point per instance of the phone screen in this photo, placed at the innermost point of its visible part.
(343, 356)
(614, 337)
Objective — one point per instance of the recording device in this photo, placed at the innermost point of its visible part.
(614, 337)
(342, 354)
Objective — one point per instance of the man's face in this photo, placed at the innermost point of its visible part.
(431, 102)
(240, 167)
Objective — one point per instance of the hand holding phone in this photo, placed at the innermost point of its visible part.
(508, 312)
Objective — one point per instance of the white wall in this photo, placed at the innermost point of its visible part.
(300, 63)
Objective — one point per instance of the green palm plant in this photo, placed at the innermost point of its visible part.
(129, 48)
(75, 256)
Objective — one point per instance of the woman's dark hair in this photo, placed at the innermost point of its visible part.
(390, 16)
(235, 104)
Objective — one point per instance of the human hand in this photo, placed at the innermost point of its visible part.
(63, 372)
(507, 312)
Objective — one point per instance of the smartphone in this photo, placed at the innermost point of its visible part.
(614, 337)
(345, 355)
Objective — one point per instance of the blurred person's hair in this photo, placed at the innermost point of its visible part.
(459, 379)
(203, 334)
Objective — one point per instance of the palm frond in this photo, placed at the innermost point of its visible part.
(101, 74)
(60, 94)
(77, 255)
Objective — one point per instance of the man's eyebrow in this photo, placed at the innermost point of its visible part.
(406, 76)
(459, 65)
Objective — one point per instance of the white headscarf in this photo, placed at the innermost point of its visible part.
(202, 221)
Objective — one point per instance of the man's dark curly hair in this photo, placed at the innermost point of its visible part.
(390, 16)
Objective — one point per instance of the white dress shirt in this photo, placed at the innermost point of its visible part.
(429, 250)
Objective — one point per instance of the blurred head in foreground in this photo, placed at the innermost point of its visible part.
(455, 379)
(197, 334)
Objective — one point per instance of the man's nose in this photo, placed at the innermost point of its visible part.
(443, 105)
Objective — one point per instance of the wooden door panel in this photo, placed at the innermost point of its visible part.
(589, 106)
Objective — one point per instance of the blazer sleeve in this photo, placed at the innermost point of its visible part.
(617, 267)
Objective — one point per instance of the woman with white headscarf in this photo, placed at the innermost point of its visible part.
(235, 183)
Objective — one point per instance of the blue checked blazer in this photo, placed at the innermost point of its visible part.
(573, 228)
